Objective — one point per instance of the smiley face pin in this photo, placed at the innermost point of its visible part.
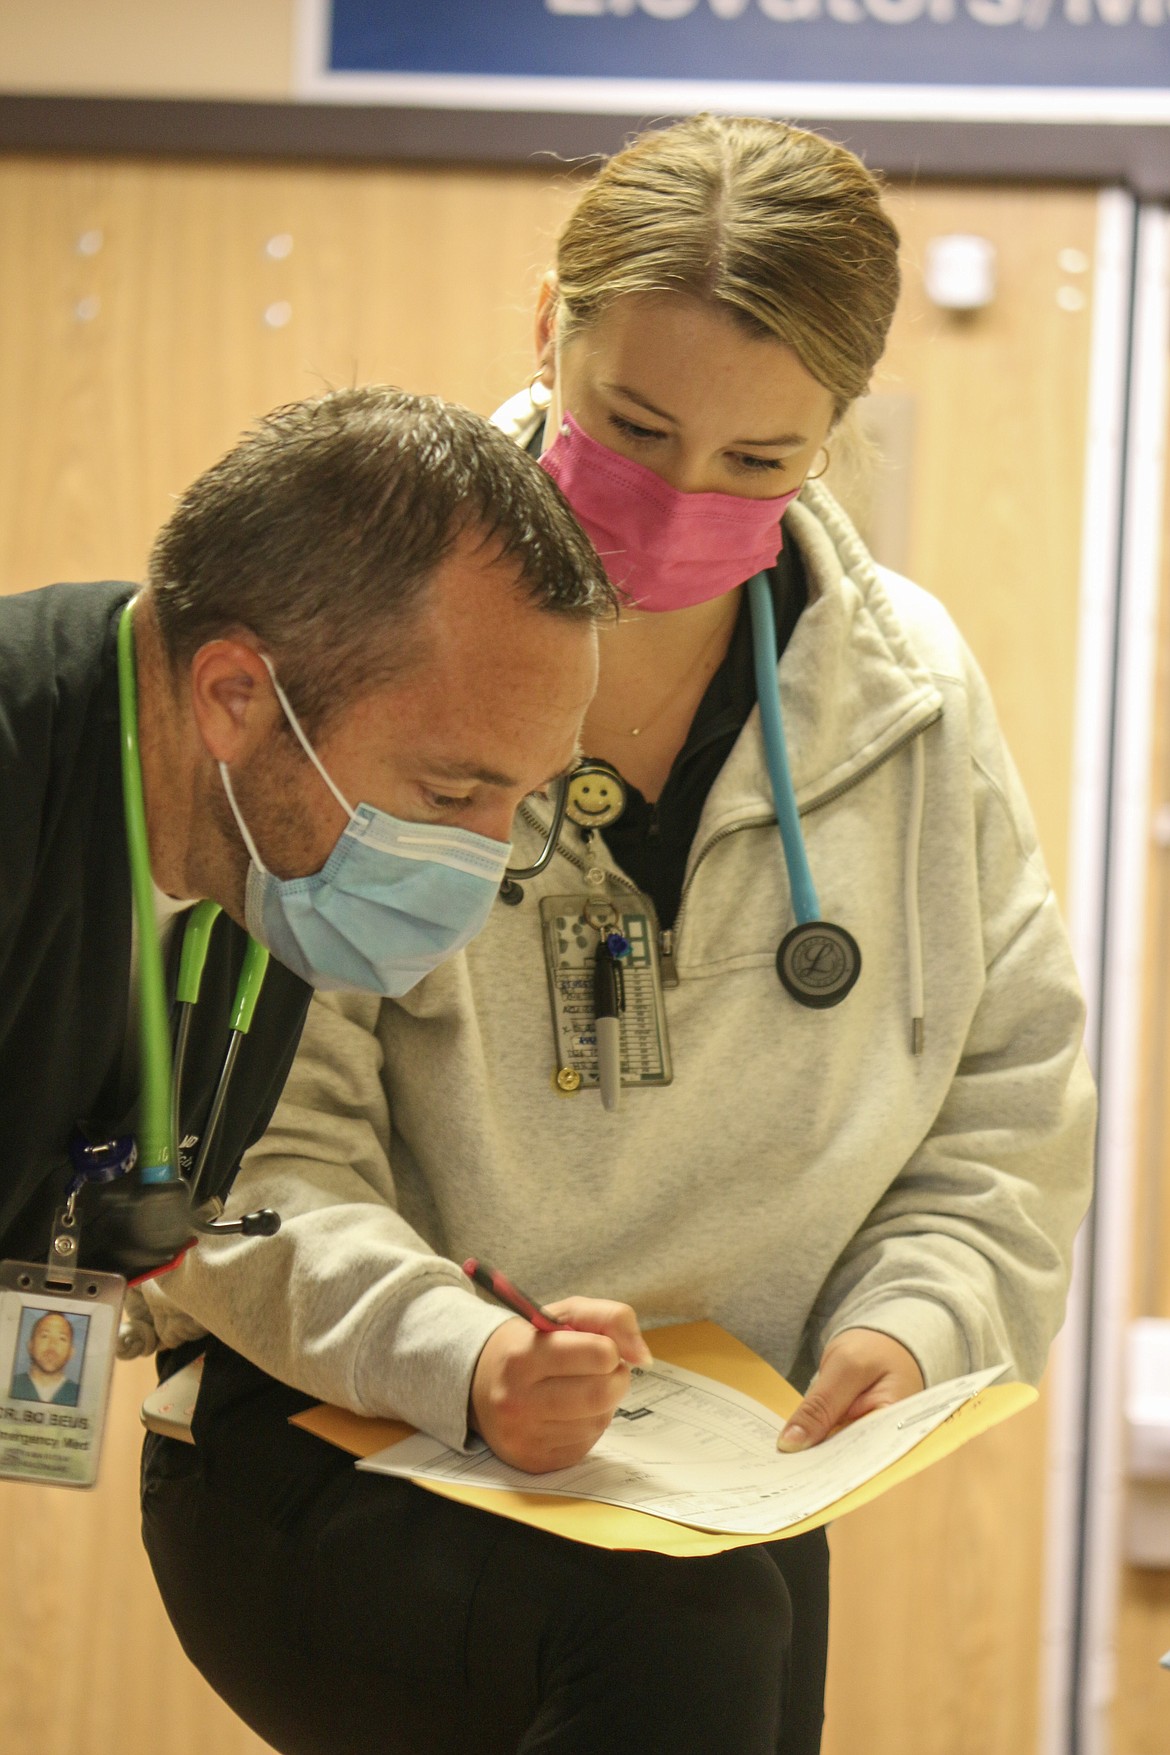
(597, 796)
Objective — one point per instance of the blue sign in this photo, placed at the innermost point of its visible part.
(1111, 45)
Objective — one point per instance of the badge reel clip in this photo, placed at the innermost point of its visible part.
(592, 796)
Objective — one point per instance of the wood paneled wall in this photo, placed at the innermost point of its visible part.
(128, 369)
(147, 313)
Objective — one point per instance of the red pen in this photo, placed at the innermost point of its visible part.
(501, 1287)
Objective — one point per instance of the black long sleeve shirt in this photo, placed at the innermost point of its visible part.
(65, 926)
(651, 842)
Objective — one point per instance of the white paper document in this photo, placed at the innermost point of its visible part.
(691, 1449)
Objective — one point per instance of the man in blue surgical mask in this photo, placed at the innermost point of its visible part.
(367, 634)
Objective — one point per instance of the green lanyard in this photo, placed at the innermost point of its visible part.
(158, 1109)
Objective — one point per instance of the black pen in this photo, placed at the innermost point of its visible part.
(608, 1005)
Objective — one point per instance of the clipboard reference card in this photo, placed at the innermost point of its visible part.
(689, 1463)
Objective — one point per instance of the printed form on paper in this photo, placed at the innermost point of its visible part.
(688, 1448)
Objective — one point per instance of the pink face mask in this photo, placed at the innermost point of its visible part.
(662, 549)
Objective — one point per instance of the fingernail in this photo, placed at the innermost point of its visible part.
(643, 1355)
(792, 1438)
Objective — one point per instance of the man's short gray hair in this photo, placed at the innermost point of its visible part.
(320, 530)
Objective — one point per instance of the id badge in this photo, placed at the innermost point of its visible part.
(570, 935)
(58, 1331)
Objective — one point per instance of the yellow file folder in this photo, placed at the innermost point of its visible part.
(706, 1348)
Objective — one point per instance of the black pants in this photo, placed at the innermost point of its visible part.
(341, 1613)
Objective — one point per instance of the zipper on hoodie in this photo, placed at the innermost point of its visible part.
(814, 804)
(668, 935)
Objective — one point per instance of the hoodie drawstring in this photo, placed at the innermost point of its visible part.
(910, 893)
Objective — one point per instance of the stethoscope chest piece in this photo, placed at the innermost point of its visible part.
(818, 963)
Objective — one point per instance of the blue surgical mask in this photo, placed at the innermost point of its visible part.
(392, 901)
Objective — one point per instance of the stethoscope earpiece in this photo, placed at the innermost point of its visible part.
(818, 963)
(264, 1223)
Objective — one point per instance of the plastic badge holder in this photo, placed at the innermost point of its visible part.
(570, 952)
(58, 1331)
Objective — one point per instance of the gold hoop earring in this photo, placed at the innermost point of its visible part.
(538, 378)
(811, 476)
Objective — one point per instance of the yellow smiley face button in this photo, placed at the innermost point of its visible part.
(597, 796)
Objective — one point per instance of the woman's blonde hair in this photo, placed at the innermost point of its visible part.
(783, 228)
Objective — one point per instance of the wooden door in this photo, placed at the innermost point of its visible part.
(936, 1608)
(147, 313)
(1141, 1713)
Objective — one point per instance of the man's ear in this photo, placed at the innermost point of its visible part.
(232, 699)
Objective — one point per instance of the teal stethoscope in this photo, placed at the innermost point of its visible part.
(818, 962)
(167, 1202)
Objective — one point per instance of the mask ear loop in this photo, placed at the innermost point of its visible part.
(241, 825)
(286, 707)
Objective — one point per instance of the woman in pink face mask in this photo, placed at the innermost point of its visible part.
(681, 478)
(872, 1194)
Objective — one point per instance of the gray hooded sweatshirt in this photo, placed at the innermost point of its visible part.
(807, 1171)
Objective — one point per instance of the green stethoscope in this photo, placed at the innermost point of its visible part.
(161, 1076)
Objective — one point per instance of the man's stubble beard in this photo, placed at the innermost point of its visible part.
(271, 792)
